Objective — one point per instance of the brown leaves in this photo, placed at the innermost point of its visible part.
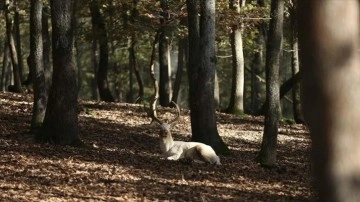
(123, 161)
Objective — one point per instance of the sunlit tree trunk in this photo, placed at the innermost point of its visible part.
(236, 105)
(13, 53)
(267, 154)
(164, 57)
(329, 52)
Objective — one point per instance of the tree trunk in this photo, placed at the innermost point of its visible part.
(329, 53)
(6, 72)
(258, 66)
(164, 57)
(36, 61)
(267, 154)
(61, 119)
(236, 105)
(203, 117)
(46, 47)
(295, 67)
(179, 71)
(14, 59)
(18, 41)
(99, 31)
(135, 66)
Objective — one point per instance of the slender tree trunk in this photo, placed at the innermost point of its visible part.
(164, 57)
(258, 66)
(203, 117)
(135, 66)
(36, 61)
(295, 67)
(14, 59)
(267, 154)
(329, 52)
(6, 67)
(95, 90)
(179, 71)
(18, 41)
(99, 30)
(61, 119)
(236, 105)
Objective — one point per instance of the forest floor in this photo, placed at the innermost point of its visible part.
(123, 162)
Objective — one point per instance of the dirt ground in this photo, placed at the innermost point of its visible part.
(123, 162)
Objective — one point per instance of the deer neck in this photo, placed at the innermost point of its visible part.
(166, 142)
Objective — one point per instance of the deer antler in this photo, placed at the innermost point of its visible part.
(177, 114)
(152, 112)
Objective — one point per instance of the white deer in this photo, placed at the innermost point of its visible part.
(174, 150)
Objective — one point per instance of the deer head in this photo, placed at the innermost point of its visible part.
(164, 126)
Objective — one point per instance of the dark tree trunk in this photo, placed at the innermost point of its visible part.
(36, 61)
(133, 63)
(164, 57)
(18, 41)
(179, 71)
(61, 119)
(267, 154)
(6, 71)
(236, 105)
(258, 66)
(203, 117)
(95, 91)
(284, 89)
(329, 52)
(46, 47)
(295, 67)
(14, 59)
(99, 31)
(194, 46)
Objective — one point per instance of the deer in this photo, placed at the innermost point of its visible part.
(175, 150)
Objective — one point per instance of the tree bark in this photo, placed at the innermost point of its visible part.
(46, 47)
(36, 61)
(236, 105)
(295, 66)
(61, 119)
(329, 53)
(164, 57)
(179, 71)
(203, 117)
(14, 59)
(6, 72)
(18, 41)
(99, 31)
(267, 154)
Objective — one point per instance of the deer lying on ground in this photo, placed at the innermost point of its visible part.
(174, 150)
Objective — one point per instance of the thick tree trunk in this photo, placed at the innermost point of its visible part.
(267, 154)
(194, 46)
(14, 59)
(46, 47)
(61, 119)
(236, 105)
(329, 52)
(99, 31)
(36, 61)
(203, 117)
(164, 57)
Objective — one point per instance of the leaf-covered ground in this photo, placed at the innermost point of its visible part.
(124, 161)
